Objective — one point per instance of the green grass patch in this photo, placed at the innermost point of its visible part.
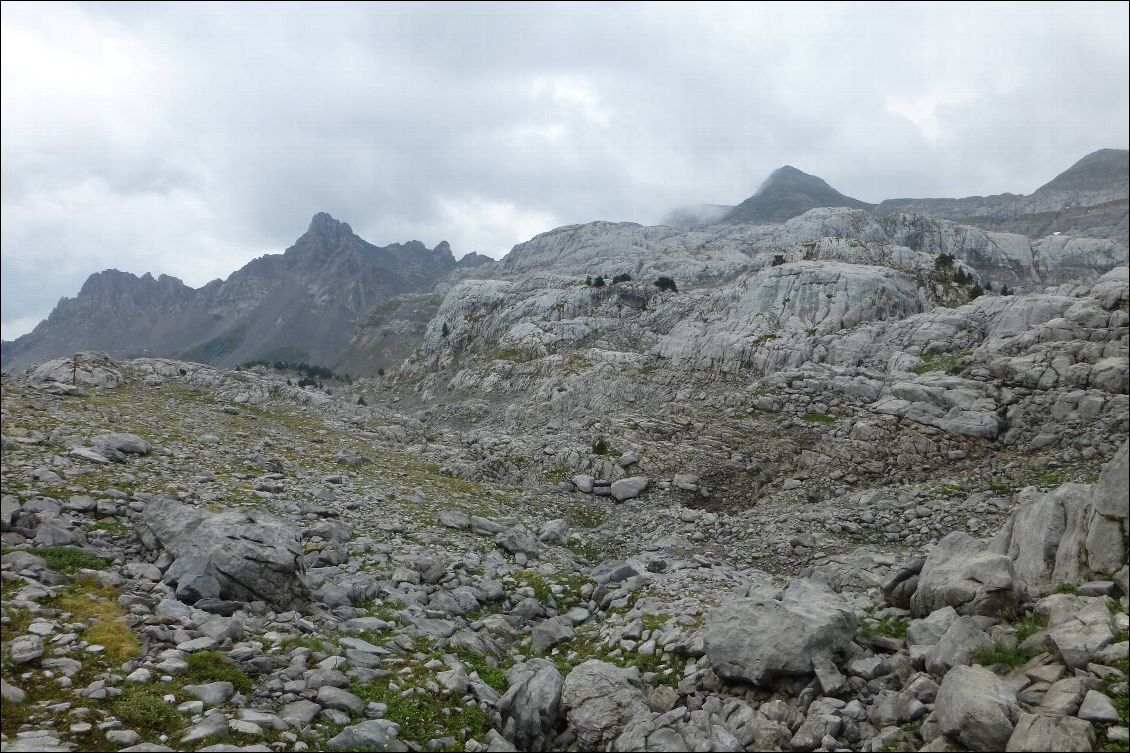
(306, 641)
(584, 646)
(1028, 627)
(558, 475)
(819, 418)
(69, 560)
(1009, 657)
(109, 525)
(536, 581)
(891, 627)
(585, 550)
(142, 709)
(212, 666)
(950, 364)
(89, 602)
(424, 716)
(1003, 488)
(18, 621)
(585, 515)
(514, 355)
(492, 674)
(1066, 588)
(1048, 477)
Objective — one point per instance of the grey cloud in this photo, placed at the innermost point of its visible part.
(187, 140)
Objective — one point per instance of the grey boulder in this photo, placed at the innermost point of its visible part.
(629, 488)
(600, 700)
(962, 573)
(768, 635)
(374, 734)
(531, 706)
(256, 555)
(976, 709)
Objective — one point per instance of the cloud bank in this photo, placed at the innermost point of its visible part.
(189, 139)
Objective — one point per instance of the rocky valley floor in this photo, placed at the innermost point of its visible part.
(205, 560)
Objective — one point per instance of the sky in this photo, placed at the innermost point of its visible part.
(190, 139)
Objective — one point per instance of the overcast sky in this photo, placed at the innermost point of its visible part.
(190, 139)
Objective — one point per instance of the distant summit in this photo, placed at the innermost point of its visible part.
(787, 193)
(1089, 199)
(1098, 178)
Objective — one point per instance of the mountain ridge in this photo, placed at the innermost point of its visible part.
(318, 300)
(305, 301)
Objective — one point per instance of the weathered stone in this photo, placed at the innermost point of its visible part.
(770, 634)
(531, 706)
(629, 488)
(374, 734)
(962, 573)
(600, 699)
(976, 709)
(256, 555)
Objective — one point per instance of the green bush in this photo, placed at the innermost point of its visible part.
(144, 710)
(212, 666)
(666, 284)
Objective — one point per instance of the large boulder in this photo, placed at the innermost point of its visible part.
(976, 709)
(255, 555)
(531, 706)
(89, 368)
(1073, 534)
(771, 634)
(601, 699)
(121, 442)
(629, 488)
(963, 573)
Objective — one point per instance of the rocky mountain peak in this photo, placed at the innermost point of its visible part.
(323, 224)
(787, 193)
(787, 176)
(1105, 170)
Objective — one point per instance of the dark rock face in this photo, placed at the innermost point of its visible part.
(788, 193)
(303, 305)
(1088, 199)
